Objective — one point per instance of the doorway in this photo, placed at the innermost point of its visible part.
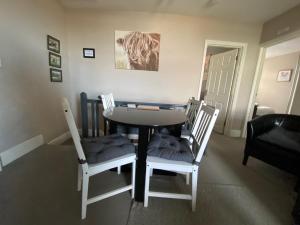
(220, 78)
(275, 85)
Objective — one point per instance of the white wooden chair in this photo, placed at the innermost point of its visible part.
(108, 102)
(205, 120)
(193, 107)
(86, 170)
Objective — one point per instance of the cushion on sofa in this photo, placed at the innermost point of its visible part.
(283, 138)
(105, 148)
(170, 147)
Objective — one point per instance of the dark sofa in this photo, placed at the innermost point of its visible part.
(275, 139)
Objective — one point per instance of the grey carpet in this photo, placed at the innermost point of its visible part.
(40, 189)
(228, 193)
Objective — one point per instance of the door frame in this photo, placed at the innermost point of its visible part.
(232, 106)
(258, 75)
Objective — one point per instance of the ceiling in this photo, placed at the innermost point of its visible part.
(284, 48)
(253, 11)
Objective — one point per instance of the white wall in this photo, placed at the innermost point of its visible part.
(271, 92)
(181, 53)
(29, 103)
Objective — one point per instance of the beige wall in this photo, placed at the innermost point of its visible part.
(296, 103)
(181, 53)
(281, 25)
(30, 104)
(271, 92)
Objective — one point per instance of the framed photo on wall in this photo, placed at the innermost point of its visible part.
(53, 44)
(55, 75)
(284, 75)
(88, 53)
(54, 60)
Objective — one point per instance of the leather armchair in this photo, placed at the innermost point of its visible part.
(275, 139)
(296, 212)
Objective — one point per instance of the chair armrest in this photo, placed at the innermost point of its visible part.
(259, 126)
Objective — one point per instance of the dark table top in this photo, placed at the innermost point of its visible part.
(145, 118)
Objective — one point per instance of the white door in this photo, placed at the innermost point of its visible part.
(220, 77)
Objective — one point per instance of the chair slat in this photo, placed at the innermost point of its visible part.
(97, 119)
(73, 130)
(84, 114)
(93, 118)
(205, 124)
(206, 119)
(90, 115)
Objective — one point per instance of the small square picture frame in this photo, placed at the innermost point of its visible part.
(284, 75)
(53, 44)
(54, 60)
(55, 75)
(89, 53)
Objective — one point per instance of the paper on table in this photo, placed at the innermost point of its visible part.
(148, 107)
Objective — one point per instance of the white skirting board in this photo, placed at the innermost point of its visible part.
(19, 150)
(60, 139)
(235, 133)
(67, 135)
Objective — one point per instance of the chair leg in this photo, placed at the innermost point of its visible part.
(245, 160)
(194, 188)
(85, 186)
(119, 170)
(187, 178)
(79, 179)
(133, 178)
(147, 183)
(105, 127)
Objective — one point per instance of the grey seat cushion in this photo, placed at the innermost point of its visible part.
(170, 147)
(283, 138)
(105, 148)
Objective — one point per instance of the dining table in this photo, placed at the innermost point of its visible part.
(146, 121)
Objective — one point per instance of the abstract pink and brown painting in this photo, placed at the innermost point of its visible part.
(137, 50)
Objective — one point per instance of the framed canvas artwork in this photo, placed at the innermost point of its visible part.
(88, 53)
(137, 50)
(54, 60)
(284, 75)
(55, 75)
(53, 44)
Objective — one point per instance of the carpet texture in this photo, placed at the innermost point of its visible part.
(40, 189)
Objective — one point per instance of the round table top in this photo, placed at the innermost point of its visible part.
(146, 118)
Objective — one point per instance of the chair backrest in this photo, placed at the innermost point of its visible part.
(203, 126)
(108, 101)
(74, 131)
(90, 118)
(188, 106)
(193, 107)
